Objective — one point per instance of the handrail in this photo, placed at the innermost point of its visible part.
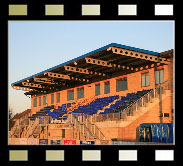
(36, 124)
(95, 130)
(13, 131)
(99, 133)
(164, 84)
(139, 99)
(129, 109)
(84, 131)
(90, 135)
(31, 128)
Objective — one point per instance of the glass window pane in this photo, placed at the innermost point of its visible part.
(125, 85)
(70, 95)
(106, 87)
(161, 76)
(147, 80)
(97, 89)
(58, 97)
(39, 101)
(122, 84)
(80, 93)
(117, 85)
(52, 99)
(157, 77)
(44, 100)
(34, 102)
(143, 80)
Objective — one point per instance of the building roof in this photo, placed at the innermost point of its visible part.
(103, 63)
(22, 114)
(89, 53)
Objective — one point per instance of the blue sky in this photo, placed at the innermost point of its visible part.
(38, 45)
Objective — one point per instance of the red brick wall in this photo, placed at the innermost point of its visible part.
(134, 84)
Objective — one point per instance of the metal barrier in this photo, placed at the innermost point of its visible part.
(136, 106)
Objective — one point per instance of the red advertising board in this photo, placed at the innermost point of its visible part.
(69, 142)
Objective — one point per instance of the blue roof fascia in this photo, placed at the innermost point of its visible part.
(135, 49)
(87, 54)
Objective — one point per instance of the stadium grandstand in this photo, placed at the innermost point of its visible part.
(114, 94)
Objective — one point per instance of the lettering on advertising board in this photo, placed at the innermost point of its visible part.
(69, 142)
(87, 142)
(57, 126)
(43, 141)
(55, 142)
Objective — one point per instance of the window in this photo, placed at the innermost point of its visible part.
(121, 84)
(35, 102)
(39, 101)
(80, 93)
(63, 133)
(166, 114)
(159, 76)
(44, 100)
(52, 98)
(106, 87)
(145, 79)
(70, 95)
(97, 89)
(58, 97)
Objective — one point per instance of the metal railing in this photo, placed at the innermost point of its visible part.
(79, 122)
(85, 127)
(164, 86)
(94, 130)
(32, 127)
(136, 106)
(14, 131)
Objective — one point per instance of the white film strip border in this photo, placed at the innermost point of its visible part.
(164, 10)
(91, 155)
(91, 10)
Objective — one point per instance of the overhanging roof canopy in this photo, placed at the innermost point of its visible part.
(103, 63)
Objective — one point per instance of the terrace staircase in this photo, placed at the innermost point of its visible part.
(33, 129)
(86, 129)
(15, 132)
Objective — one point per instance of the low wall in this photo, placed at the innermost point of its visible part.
(35, 141)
